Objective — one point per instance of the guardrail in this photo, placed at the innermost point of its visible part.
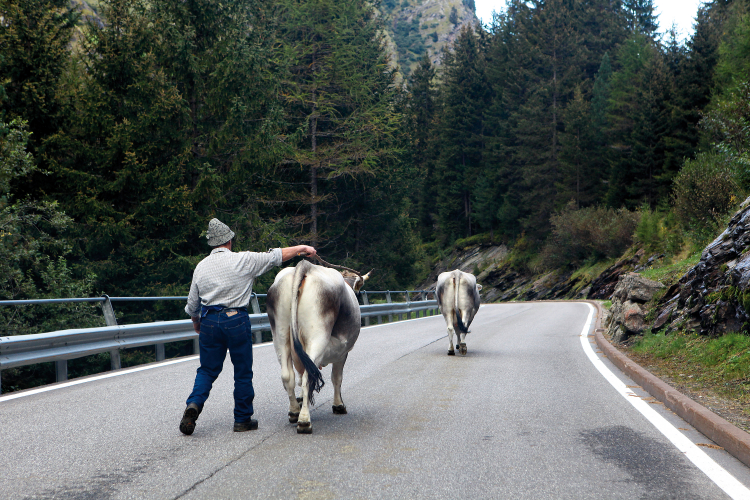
(60, 346)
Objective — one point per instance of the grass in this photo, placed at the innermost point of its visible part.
(671, 273)
(714, 367)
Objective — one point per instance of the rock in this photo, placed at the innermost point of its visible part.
(603, 286)
(628, 314)
(634, 287)
(664, 317)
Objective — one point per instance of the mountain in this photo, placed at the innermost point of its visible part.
(416, 27)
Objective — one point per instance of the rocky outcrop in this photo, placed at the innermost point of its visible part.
(714, 296)
(628, 312)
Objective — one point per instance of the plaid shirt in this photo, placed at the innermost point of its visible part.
(226, 278)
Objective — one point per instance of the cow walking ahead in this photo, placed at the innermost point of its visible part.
(458, 298)
(315, 320)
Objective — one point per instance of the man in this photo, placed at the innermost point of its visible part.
(217, 303)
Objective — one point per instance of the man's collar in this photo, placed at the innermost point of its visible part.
(220, 249)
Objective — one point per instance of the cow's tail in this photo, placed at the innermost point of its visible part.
(456, 287)
(314, 378)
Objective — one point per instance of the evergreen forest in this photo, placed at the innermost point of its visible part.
(565, 129)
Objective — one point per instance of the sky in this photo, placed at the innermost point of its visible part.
(681, 12)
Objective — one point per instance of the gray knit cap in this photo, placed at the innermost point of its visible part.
(218, 233)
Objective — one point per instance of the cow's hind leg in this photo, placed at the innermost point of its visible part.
(304, 425)
(288, 378)
(451, 352)
(337, 375)
(462, 344)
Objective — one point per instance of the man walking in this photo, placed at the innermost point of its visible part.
(217, 303)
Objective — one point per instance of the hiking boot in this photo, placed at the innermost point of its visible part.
(250, 425)
(187, 424)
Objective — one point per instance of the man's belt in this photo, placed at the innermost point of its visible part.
(217, 309)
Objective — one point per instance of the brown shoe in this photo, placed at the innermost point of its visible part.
(187, 424)
(250, 425)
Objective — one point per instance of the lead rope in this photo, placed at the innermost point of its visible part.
(333, 266)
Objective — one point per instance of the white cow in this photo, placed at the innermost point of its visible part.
(315, 320)
(458, 298)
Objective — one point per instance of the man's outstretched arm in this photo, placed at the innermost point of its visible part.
(289, 252)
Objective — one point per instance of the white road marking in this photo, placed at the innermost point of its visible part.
(714, 471)
(142, 368)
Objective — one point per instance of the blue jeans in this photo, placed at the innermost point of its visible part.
(220, 332)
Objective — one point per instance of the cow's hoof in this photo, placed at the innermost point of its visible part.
(457, 346)
(299, 399)
(463, 349)
(339, 409)
(293, 416)
(451, 353)
(304, 427)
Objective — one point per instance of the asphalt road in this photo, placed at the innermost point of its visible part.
(525, 414)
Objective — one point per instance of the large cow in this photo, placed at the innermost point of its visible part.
(315, 320)
(458, 298)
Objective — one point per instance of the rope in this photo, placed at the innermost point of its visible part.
(326, 264)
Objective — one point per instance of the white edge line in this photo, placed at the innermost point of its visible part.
(150, 366)
(710, 468)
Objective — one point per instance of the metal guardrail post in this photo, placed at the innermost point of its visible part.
(61, 370)
(111, 320)
(425, 313)
(366, 302)
(388, 299)
(159, 352)
(258, 335)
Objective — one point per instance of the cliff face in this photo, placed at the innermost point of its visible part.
(713, 297)
(418, 27)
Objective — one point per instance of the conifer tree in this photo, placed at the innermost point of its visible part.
(170, 128)
(340, 97)
(420, 124)
(34, 40)
(639, 123)
(641, 17)
(464, 94)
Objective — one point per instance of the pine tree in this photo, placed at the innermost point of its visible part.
(172, 125)
(462, 140)
(420, 126)
(640, 16)
(34, 39)
(639, 123)
(340, 97)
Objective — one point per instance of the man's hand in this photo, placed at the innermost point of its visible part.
(307, 251)
(298, 251)
(197, 324)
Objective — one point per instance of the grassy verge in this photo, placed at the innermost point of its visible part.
(671, 273)
(713, 371)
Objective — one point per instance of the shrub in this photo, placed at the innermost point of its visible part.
(658, 231)
(705, 190)
(590, 233)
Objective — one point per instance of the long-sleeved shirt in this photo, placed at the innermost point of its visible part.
(226, 278)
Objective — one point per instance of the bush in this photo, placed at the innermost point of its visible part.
(658, 231)
(591, 233)
(705, 190)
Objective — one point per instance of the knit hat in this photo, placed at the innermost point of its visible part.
(218, 233)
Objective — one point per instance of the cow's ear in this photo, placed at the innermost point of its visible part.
(479, 287)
